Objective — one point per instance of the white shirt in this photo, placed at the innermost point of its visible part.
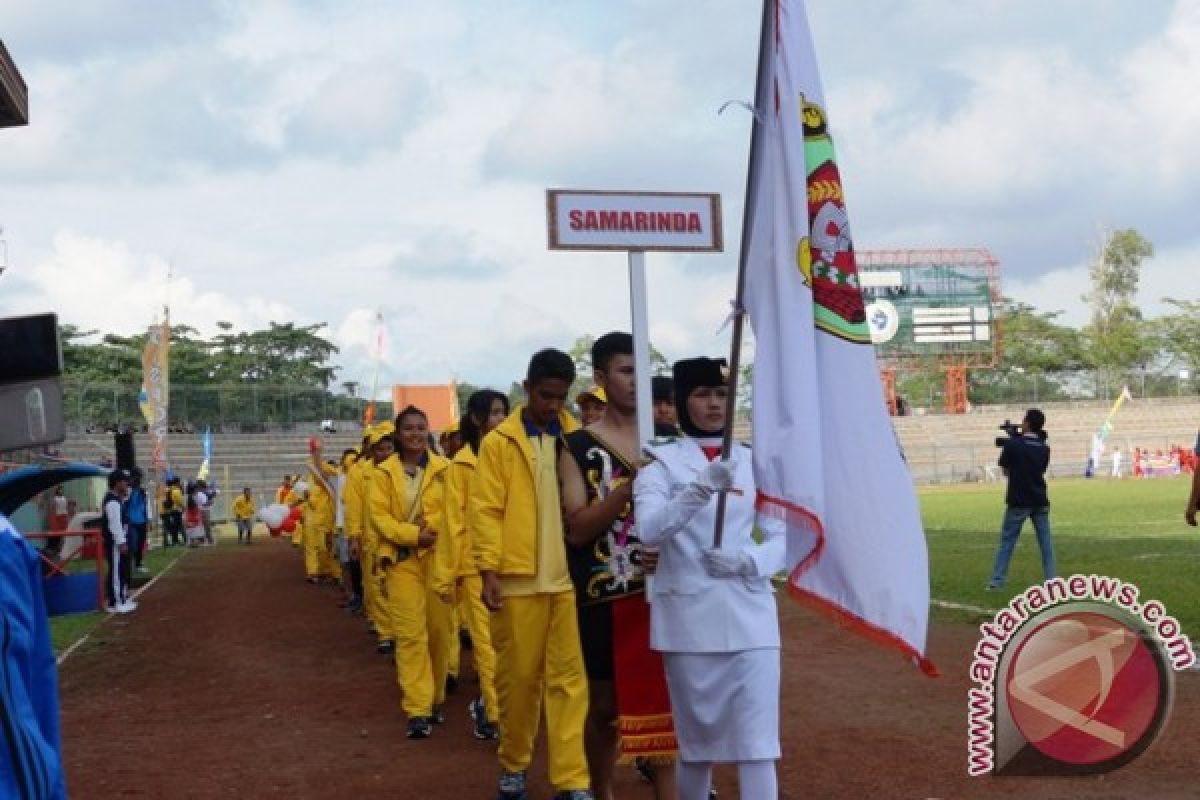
(690, 611)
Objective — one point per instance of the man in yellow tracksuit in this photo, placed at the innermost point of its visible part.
(243, 515)
(406, 511)
(327, 565)
(456, 581)
(378, 445)
(317, 521)
(515, 517)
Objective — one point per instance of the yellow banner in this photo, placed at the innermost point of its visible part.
(155, 389)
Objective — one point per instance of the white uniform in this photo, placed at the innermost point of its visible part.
(719, 636)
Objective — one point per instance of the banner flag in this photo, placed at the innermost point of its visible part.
(826, 457)
(153, 398)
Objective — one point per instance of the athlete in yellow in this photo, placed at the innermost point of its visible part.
(515, 518)
(407, 500)
(456, 579)
(359, 514)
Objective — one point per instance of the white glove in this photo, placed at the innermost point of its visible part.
(729, 564)
(717, 476)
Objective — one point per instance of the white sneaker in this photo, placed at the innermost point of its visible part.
(128, 607)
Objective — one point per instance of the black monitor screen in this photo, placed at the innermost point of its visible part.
(29, 348)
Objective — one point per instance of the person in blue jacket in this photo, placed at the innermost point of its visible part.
(137, 514)
(31, 765)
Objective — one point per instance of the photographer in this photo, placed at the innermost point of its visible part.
(1024, 459)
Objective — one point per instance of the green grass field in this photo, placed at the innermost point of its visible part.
(65, 630)
(1129, 529)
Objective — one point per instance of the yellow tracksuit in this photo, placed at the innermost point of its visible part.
(514, 514)
(419, 620)
(243, 508)
(455, 575)
(318, 522)
(372, 576)
(326, 563)
(291, 500)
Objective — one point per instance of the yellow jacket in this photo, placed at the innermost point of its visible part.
(453, 557)
(243, 508)
(172, 497)
(502, 511)
(319, 510)
(388, 514)
(354, 497)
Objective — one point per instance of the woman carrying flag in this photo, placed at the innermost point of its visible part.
(713, 614)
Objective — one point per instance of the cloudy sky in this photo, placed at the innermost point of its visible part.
(319, 160)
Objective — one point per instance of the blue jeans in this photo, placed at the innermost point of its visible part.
(1014, 520)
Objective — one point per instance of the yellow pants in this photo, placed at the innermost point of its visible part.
(326, 563)
(421, 624)
(373, 596)
(539, 661)
(454, 646)
(298, 535)
(314, 546)
(479, 623)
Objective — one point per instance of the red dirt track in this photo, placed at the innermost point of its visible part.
(236, 679)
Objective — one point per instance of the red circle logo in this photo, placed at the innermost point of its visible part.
(1084, 688)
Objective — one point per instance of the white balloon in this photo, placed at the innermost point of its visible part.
(274, 515)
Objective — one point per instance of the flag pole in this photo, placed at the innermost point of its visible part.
(762, 96)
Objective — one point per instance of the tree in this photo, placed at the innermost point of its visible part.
(1037, 349)
(1117, 337)
(1178, 334)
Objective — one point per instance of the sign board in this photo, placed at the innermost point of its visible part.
(603, 220)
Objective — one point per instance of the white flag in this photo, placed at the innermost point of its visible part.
(826, 457)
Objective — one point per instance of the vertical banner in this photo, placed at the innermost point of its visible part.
(826, 458)
(155, 390)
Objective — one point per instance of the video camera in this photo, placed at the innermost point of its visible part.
(1011, 428)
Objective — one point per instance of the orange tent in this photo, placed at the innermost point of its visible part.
(439, 402)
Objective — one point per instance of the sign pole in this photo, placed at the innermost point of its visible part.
(641, 345)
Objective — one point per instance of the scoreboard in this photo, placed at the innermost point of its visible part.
(924, 305)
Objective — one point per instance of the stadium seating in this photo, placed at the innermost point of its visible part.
(939, 448)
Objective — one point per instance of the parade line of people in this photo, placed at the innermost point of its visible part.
(577, 569)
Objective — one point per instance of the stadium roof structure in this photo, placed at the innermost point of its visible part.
(14, 94)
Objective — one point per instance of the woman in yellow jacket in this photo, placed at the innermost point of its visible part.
(406, 511)
(379, 445)
(455, 578)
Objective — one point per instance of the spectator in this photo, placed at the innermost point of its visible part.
(116, 543)
(193, 521)
(138, 515)
(1024, 460)
(60, 510)
(1193, 505)
(243, 514)
(172, 513)
(204, 499)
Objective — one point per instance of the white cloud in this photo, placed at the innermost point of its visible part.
(317, 162)
(1174, 273)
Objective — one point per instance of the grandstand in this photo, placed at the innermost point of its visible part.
(940, 448)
